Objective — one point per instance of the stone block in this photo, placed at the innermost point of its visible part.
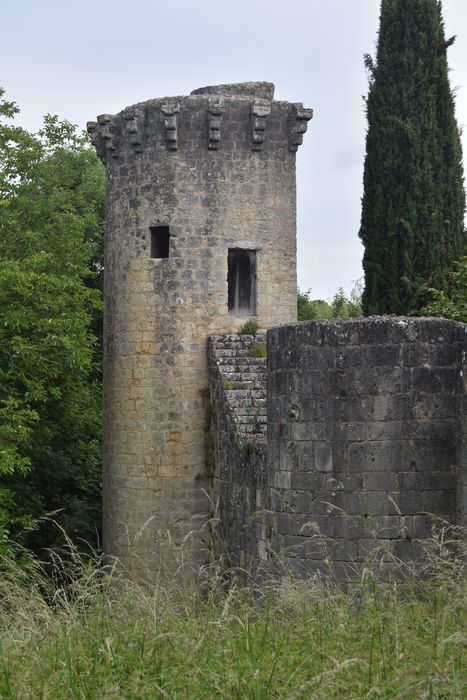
(283, 479)
(306, 455)
(312, 408)
(371, 503)
(378, 456)
(341, 481)
(302, 568)
(440, 502)
(411, 502)
(393, 407)
(427, 481)
(433, 455)
(350, 431)
(421, 526)
(372, 548)
(436, 380)
(350, 409)
(323, 456)
(384, 430)
(385, 526)
(303, 547)
(379, 481)
(406, 550)
(305, 480)
(349, 527)
(344, 550)
(381, 381)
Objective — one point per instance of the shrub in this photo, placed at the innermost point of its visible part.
(258, 350)
(249, 327)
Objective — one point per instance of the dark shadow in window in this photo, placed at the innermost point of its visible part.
(160, 237)
(241, 281)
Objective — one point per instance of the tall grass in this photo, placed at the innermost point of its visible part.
(67, 630)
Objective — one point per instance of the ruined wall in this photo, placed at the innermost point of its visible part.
(238, 403)
(217, 168)
(462, 428)
(366, 437)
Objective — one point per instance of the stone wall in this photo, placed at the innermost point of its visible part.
(238, 403)
(217, 168)
(366, 437)
(462, 429)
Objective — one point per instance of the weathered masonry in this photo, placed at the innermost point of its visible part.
(366, 441)
(200, 235)
(350, 436)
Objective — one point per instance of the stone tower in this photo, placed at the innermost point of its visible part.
(200, 236)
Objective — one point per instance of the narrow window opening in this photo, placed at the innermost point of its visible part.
(241, 282)
(160, 237)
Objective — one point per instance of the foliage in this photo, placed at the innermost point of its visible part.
(258, 350)
(311, 309)
(347, 307)
(453, 304)
(51, 220)
(70, 633)
(249, 327)
(339, 306)
(413, 205)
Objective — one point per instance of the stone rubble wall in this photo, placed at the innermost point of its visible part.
(238, 406)
(366, 438)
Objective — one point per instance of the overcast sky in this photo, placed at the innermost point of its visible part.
(82, 58)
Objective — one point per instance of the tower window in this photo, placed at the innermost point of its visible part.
(241, 281)
(160, 237)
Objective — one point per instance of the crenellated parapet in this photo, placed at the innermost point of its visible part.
(222, 117)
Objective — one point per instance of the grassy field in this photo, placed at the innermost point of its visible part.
(66, 631)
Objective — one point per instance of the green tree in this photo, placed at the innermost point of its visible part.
(51, 221)
(339, 306)
(311, 309)
(452, 304)
(412, 223)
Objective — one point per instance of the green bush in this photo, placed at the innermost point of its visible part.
(258, 350)
(249, 327)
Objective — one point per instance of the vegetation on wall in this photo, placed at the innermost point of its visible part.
(412, 223)
(51, 222)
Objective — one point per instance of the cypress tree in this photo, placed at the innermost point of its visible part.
(413, 205)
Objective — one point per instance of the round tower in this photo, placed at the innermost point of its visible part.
(200, 237)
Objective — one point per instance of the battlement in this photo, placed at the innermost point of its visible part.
(221, 117)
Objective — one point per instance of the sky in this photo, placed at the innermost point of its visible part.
(82, 58)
